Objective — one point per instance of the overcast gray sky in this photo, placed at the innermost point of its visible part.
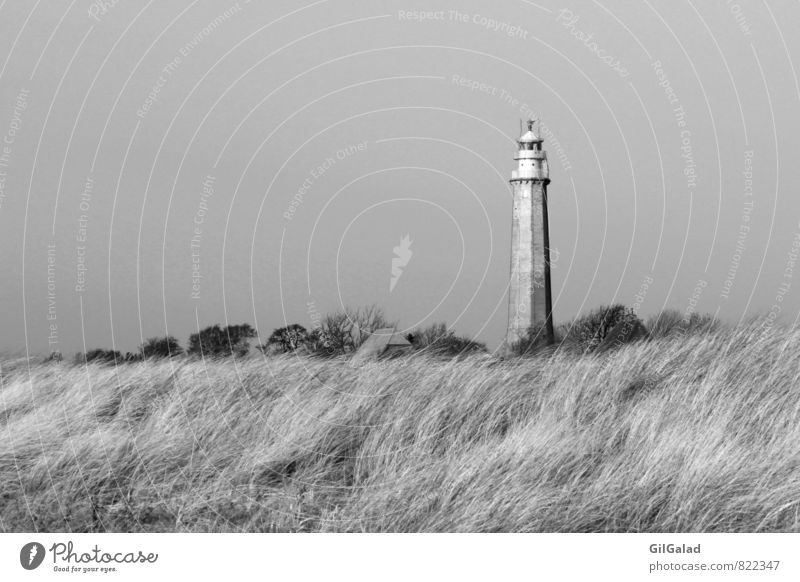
(166, 165)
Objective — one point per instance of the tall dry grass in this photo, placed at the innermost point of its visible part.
(696, 433)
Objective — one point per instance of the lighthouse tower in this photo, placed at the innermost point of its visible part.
(530, 309)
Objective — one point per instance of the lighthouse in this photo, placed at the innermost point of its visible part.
(530, 309)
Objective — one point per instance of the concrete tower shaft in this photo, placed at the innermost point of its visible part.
(530, 303)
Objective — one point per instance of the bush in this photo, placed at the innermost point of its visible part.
(102, 356)
(587, 332)
(99, 356)
(424, 338)
(286, 339)
(219, 342)
(672, 322)
(533, 343)
(160, 347)
(437, 340)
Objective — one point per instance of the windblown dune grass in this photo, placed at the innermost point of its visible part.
(697, 433)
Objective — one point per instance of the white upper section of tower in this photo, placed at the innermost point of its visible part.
(531, 158)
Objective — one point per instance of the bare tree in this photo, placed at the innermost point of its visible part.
(366, 320)
(344, 331)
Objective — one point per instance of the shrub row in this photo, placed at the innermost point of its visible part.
(342, 333)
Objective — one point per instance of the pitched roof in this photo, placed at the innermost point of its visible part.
(379, 341)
